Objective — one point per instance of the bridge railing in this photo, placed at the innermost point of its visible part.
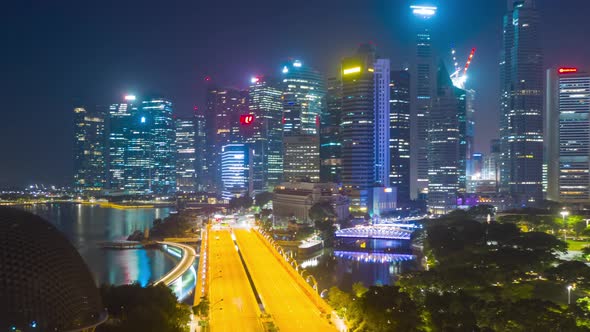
(294, 271)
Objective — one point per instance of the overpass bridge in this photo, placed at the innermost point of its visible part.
(375, 232)
(182, 277)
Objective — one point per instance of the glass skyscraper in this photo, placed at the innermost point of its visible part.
(381, 121)
(119, 121)
(521, 123)
(89, 150)
(330, 143)
(235, 170)
(185, 155)
(399, 137)
(264, 131)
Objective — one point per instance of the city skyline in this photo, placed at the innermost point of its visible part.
(97, 63)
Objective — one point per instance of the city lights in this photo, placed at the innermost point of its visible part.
(425, 11)
(351, 70)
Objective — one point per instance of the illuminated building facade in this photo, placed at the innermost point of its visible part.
(573, 110)
(200, 149)
(139, 152)
(302, 158)
(163, 137)
(330, 144)
(444, 165)
(381, 120)
(357, 126)
(303, 99)
(119, 121)
(224, 107)
(89, 150)
(423, 87)
(399, 135)
(521, 122)
(264, 130)
(235, 170)
(185, 155)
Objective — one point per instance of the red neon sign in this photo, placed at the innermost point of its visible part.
(247, 119)
(564, 70)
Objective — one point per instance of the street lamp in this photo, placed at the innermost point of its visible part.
(569, 294)
(563, 215)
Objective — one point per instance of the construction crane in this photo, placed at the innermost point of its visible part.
(459, 76)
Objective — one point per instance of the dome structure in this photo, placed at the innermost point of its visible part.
(44, 283)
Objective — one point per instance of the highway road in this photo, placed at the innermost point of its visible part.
(233, 306)
(187, 260)
(282, 297)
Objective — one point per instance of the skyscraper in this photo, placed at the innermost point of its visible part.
(423, 89)
(302, 158)
(235, 170)
(399, 137)
(264, 129)
(89, 150)
(357, 126)
(163, 137)
(119, 121)
(303, 98)
(224, 107)
(444, 146)
(139, 152)
(330, 144)
(573, 109)
(200, 149)
(185, 155)
(521, 123)
(381, 121)
(303, 103)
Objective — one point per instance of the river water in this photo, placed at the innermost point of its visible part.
(86, 225)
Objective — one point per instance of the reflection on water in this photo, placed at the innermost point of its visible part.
(343, 268)
(86, 225)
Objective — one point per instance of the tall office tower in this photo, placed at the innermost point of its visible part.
(381, 121)
(200, 149)
(572, 108)
(302, 158)
(163, 170)
(303, 99)
(399, 136)
(443, 146)
(464, 140)
(224, 107)
(423, 90)
(477, 166)
(185, 155)
(235, 170)
(496, 156)
(139, 152)
(330, 144)
(89, 150)
(521, 123)
(119, 121)
(357, 127)
(264, 129)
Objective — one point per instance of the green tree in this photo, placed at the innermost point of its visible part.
(263, 198)
(321, 211)
(134, 308)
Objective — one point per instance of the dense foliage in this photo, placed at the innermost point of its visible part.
(480, 277)
(175, 225)
(134, 308)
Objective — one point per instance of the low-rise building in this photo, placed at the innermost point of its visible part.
(293, 200)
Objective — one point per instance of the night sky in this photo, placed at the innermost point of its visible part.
(59, 54)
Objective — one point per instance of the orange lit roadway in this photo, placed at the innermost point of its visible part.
(232, 305)
(290, 308)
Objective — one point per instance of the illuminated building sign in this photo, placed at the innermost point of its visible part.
(351, 70)
(247, 119)
(565, 70)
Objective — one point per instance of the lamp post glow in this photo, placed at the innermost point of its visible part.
(563, 215)
(569, 294)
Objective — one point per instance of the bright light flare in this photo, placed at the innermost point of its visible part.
(130, 97)
(425, 11)
(351, 70)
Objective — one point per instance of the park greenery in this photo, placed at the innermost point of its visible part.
(479, 276)
(150, 309)
(175, 225)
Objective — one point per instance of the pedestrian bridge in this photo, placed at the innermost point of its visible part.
(375, 232)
